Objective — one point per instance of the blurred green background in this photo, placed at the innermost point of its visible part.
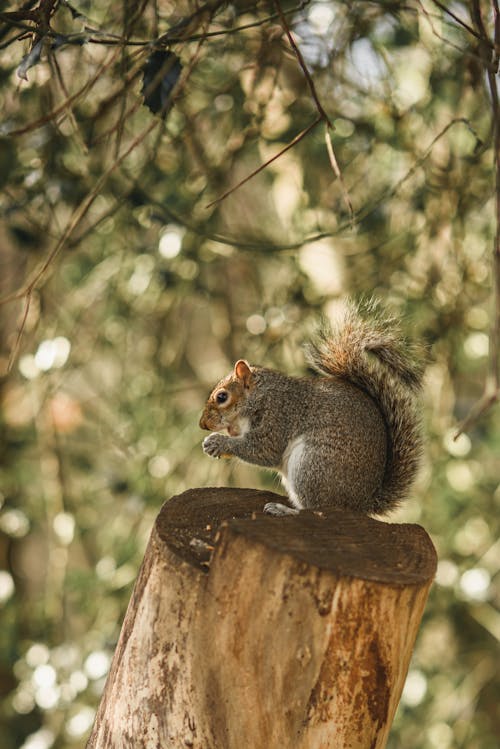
(127, 295)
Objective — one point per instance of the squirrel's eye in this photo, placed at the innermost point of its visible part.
(221, 396)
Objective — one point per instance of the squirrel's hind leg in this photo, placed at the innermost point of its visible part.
(289, 471)
(278, 510)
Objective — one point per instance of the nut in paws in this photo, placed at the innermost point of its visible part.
(216, 445)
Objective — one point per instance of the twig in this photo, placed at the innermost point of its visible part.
(302, 64)
(72, 224)
(69, 111)
(108, 39)
(246, 179)
(430, 17)
(61, 109)
(496, 16)
(491, 392)
(16, 38)
(338, 173)
(455, 121)
(292, 246)
(487, 400)
(460, 22)
(321, 111)
(20, 332)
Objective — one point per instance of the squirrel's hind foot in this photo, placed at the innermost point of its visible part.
(279, 510)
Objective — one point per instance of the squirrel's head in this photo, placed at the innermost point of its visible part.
(226, 401)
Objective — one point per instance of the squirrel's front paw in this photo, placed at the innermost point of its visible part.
(216, 445)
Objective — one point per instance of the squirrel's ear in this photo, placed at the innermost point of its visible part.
(243, 372)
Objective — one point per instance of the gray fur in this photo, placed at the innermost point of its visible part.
(350, 438)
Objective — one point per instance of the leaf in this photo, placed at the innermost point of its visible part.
(30, 60)
(161, 72)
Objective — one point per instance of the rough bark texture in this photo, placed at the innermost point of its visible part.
(246, 630)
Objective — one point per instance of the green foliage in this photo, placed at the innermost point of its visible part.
(134, 291)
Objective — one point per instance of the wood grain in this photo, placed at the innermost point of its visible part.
(246, 630)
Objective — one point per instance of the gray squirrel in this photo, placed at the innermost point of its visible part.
(349, 438)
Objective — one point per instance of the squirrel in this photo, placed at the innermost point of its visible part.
(350, 438)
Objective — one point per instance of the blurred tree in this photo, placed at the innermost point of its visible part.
(172, 198)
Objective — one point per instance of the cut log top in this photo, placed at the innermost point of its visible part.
(346, 544)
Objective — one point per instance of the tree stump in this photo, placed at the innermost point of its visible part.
(246, 631)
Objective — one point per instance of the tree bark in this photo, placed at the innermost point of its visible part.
(246, 630)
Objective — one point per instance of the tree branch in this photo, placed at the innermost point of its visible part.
(491, 391)
(269, 161)
(298, 55)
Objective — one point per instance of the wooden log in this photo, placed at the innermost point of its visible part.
(250, 631)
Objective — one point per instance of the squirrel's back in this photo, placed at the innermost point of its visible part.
(366, 348)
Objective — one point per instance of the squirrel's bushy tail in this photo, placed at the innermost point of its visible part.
(367, 349)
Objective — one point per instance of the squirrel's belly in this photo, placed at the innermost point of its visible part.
(290, 468)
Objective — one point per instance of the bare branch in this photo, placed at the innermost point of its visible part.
(62, 108)
(71, 226)
(460, 21)
(338, 173)
(17, 343)
(302, 64)
(491, 392)
(269, 161)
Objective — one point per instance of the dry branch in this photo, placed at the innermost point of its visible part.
(491, 392)
(259, 169)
